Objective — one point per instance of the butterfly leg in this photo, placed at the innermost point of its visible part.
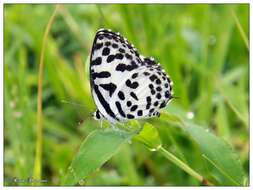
(101, 124)
(114, 127)
(124, 126)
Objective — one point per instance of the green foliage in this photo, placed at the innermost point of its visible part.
(97, 148)
(223, 163)
(204, 48)
(101, 145)
(227, 168)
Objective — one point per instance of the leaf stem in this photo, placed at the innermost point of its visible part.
(184, 166)
(39, 140)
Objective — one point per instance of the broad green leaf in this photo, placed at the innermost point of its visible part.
(95, 150)
(219, 154)
(226, 165)
(149, 136)
(128, 170)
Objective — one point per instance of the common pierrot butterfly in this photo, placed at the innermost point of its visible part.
(124, 84)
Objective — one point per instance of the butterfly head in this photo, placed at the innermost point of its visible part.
(97, 115)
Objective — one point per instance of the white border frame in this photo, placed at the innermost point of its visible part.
(126, 2)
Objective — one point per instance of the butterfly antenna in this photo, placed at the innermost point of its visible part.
(81, 121)
(175, 97)
(72, 103)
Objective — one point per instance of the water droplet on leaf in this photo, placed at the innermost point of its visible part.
(153, 149)
(190, 115)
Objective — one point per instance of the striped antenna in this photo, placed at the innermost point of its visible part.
(72, 103)
(81, 121)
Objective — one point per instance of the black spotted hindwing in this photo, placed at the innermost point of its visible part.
(124, 84)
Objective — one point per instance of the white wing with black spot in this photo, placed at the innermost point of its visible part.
(124, 84)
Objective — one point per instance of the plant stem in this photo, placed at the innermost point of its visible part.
(184, 166)
(39, 140)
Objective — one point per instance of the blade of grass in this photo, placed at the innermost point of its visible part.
(222, 121)
(239, 26)
(38, 154)
(106, 23)
(148, 27)
(126, 14)
(73, 26)
(231, 105)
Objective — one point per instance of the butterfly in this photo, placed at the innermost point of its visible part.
(124, 84)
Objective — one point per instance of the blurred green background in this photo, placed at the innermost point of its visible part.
(204, 48)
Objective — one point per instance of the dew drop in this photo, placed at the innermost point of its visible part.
(81, 182)
(190, 115)
(153, 149)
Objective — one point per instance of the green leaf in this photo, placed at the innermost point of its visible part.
(128, 170)
(149, 136)
(95, 150)
(219, 154)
